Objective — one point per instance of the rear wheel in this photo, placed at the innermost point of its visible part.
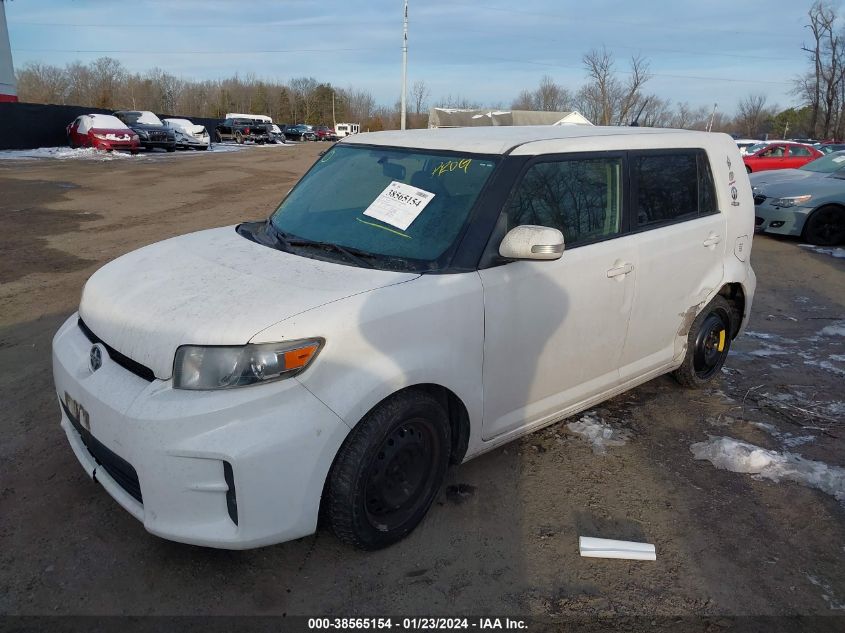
(389, 471)
(217, 137)
(239, 138)
(825, 226)
(708, 343)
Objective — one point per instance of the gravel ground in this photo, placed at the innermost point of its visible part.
(503, 536)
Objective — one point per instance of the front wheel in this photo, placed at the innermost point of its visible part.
(389, 471)
(825, 226)
(708, 343)
(217, 137)
(239, 139)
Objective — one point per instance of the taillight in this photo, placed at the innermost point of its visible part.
(246, 130)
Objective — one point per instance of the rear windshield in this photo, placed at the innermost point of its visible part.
(397, 203)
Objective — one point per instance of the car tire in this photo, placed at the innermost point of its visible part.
(825, 226)
(202, 148)
(388, 471)
(747, 169)
(708, 343)
(171, 149)
(239, 138)
(217, 137)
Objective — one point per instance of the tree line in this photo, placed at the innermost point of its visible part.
(610, 95)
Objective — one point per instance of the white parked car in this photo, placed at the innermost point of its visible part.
(418, 298)
(189, 135)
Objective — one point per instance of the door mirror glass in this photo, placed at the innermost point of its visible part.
(532, 242)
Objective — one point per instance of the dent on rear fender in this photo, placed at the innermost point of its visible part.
(693, 311)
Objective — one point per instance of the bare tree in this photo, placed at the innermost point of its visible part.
(605, 99)
(548, 97)
(751, 114)
(420, 93)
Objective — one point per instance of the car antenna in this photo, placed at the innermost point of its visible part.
(636, 121)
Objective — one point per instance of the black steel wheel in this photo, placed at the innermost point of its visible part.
(708, 343)
(389, 471)
(825, 226)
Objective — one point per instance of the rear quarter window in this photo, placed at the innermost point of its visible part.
(671, 187)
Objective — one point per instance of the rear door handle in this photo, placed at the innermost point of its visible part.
(621, 269)
(712, 240)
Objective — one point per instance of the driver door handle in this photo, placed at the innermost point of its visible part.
(621, 269)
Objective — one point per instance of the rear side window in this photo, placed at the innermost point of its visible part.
(579, 197)
(671, 187)
(797, 150)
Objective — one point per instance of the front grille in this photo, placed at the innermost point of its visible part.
(142, 371)
(118, 468)
(758, 221)
(759, 199)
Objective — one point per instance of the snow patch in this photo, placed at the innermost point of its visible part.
(786, 439)
(63, 153)
(836, 329)
(598, 433)
(838, 253)
(727, 453)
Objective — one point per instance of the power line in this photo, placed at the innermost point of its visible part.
(159, 52)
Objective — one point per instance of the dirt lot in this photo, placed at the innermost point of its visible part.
(503, 537)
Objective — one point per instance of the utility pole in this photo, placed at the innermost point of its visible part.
(404, 68)
(334, 120)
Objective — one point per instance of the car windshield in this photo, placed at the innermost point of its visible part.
(405, 207)
(751, 149)
(144, 118)
(827, 164)
(104, 121)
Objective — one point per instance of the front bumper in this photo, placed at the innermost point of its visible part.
(147, 144)
(269, 447)
(779, 220)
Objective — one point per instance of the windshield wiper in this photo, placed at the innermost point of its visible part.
(352, 254)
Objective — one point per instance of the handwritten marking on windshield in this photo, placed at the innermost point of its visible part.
(452, 165)
(379, 226)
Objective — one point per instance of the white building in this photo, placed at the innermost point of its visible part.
(7, 70)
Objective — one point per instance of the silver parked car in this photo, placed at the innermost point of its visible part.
(808, 202)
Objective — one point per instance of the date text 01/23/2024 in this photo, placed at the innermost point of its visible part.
(416, 624)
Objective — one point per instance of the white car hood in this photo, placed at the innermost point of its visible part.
(214, 287)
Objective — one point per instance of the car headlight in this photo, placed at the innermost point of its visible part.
(204, 368)
(790, 201)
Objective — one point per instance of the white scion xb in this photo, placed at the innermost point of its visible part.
(417, 299)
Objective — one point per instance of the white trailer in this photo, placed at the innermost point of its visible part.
(346, 129)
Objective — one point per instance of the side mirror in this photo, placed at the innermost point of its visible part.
(532, 242)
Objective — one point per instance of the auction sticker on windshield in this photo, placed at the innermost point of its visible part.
(399, 204)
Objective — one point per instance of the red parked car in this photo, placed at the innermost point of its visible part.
(780, 155)
(101, 131)
(325, 133)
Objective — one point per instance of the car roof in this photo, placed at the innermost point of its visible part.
(538, 139)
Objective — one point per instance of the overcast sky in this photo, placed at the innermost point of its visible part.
(700, 52)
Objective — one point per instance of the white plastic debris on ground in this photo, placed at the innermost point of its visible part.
(741, 457)
(839, 253)
(598, 432)
(63, 153)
